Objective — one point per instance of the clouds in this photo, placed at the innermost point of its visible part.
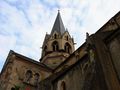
(23, 23)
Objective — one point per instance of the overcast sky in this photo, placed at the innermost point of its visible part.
(24, 23)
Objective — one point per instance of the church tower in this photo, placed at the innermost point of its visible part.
(57, 45)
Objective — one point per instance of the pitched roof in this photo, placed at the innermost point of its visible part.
(25, 58)
(58, 25)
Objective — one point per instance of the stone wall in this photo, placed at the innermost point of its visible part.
(114, 48)
(103, 76)
(22, 73)
(74, 78)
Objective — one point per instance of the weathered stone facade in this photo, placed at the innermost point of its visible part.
(95, 65)
(21, 71)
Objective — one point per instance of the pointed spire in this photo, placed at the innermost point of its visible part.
(58, 25)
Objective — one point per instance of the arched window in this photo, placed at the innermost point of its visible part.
(15, 88)
(12, 88)
(63, 86)
(55, 46)
(67, 48)
(28, 76)
(67, 38)
(55, 36)
(36, 78)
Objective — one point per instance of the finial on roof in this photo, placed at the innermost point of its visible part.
(66, 29)
(58, 10)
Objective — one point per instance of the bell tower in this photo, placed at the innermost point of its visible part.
(57, 45)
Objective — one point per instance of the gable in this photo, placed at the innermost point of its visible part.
(65, 35)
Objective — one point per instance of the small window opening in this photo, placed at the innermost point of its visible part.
(55, 46)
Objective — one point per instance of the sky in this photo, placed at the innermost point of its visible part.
(24, 23)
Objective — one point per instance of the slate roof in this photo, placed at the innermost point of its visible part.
(58, 25)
